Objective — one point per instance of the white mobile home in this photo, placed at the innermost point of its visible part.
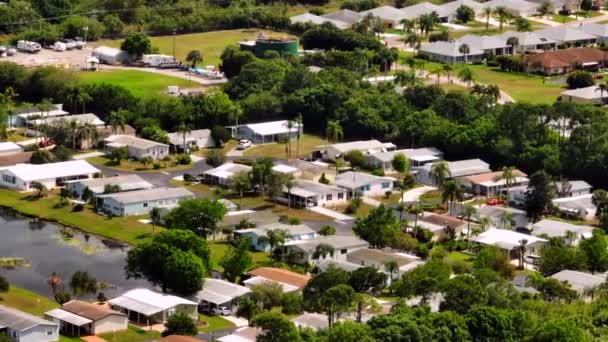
(137, 147)
(9, 147)
(220, 293)
(460, 168)
(449, 52)
(268, 132)
(416, 156)
(306, 194)
(97, 185)
(342, 245)
(364, 184)
(140, 202)
(23, 327)
(221, 175)
(552, 228)
(112, 56)
(200, 138)
(145, 306)
(78, 318)
(21, 116)
(336, 151)
(298, 232)
(53, 175)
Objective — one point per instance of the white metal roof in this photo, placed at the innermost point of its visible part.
(9, 146)
(295, 230)
(450, 49)
(420, 154)
(506, 239)
(148, 302)
(19, 320)
(69, 317)
(598, 30)
(483, 42)
(386, 13)
(564, 34)
(373, 146)
(554, 228)
(33, 172)
(177, 138)
(282, 168)
(144, 195)
(226, 170)
(318, 20)
(588, 93)
(127, 140)
(272, 127)
(415, 11)
(579, 281)
(352, 180)
(219, 291)
(125, 182)
(78, 118)
(527, 38)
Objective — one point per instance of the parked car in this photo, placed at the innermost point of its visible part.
(244, 144)
(221, 311)
(494, 201)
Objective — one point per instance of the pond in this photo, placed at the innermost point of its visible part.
(42, 248)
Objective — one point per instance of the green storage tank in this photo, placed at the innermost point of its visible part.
(281, 45)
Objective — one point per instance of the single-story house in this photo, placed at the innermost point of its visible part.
(80, 119)
(141, 202)
(9, 147)
(20, 326)
(268, 132)
(290, 281)
(109, 55)
(517, 195)
(11, 159)
(309, 18)
(498, 214)
(489, 44)
(78, 318)
(309, 170)
(324, 265)
(449, 8)
(530, 41)
(145, 306)
(314, 321)
(586, 95)
(21, 116)
(298, 232)
(390, 15)
(137, 147)
(336, 151)
(342, 245)
(576, 206)
(306, 194)
(416, 156)
(568, 36)
(344, 15)
(221, 175)
(574, 188)
(510, 241)
(415, 11)
(220, 293)
(449, 52)
(364, 184)
(52, 175)
(286, 170)
(552, 228)
(97, 185)
(491, 183)
(367, 257)
(563, 61)
(458, 169)
(600, 31)
(243, 334)
(200, 138)
(436, 224)
(581, 282)
(515, 7)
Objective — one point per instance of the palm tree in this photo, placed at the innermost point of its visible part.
(522, 251)
(194, 57)
(465, 49)
(468, 211)
(117, 120)
(440, 171)
(437, 70)
(407, 78)
(334, 132)
(487, 11)
(74, 127)
(452, 191)
(290, 125)
(602, 88)
(45, 106)
(299, 122)
(447, 70)
(184, 129)
(88, 132)
(278, 238)
(513, 42)
(289, 184)
(408, 25)
(41, 188)
(248, 308)
(503, 14)
(391, 267)
(401, 208)
(340, 163)
(239, 183)
(508, 176)
(322, 250)
(413, 40)
(484, 222)
(545, 9)
(155, 217)
(466, 75)
(506, 219)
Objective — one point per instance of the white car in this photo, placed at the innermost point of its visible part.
(221, 311)
(244, 144)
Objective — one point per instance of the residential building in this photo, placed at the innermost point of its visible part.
(457, 169)
(552, 228)
(290, 281)
(221, 175)
(449, 8)
(286, 170)
(78, 318)
(141, 202)
(268, 132)
(217, 293)
(449, 52)
(378, 259)
(498, 217)
(586, 95)
(573, 188)
(9, 147)
(21, 116)
(510, 241)
(199, 138)
(493, 45)
(342, 245)
(563, 61)
(530, 41)
(243, 334)
(309, 18)
(581, 282)
(491, 183)
(52, 175)
(515, 7)
(600, 31)
(137, 147)
(364, 184)
(416, 156)
(580, 206)
(258, 236)
(344, 15)
(178, 338)
(567, 36)
(437, 225)
(23, 327)
(97, 185)
(389, 15)
(336, 151)
(517, 195)
(149, 307)
(314, 321)
(306, 194)
(415, 11)
(307, 170)
(80, 119)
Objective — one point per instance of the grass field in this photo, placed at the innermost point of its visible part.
(308, 143)
(558, 18)
(132, 79)
(214, 323)
(211, 44)
(133, 334)
(126, 165)
(27, 301)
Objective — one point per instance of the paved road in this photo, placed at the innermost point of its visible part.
(174, 73)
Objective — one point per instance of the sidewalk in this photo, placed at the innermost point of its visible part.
(87, 155)
(414, 194)
(330, 213)
(370, 201)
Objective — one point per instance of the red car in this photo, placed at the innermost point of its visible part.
(494, 201)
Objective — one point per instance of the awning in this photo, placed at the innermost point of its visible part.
(133, 305)
(68, 317)
(212, 297)
(300, 192)
(589, 64)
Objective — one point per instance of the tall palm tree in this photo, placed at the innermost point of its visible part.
(194, 57)
(401, 208)
(408, 25)
(299, 123)
(407, 78)
(334, 132)
(278, 238)
(413, 40)
(465, 49)
(184, 129)
(602, 88)
(437, 70)
(290, 126)
(440, 171)
(452, 191)
(513, 42)
(522, 251)
(88, 132)
(391, 267)
(447, 70)
(74, 127)
(503, 14)
(155, 217)
(468, 212)
(117, 120)
(239, 183)
(506, 219)
(508, 176)
(323, 250)
(487, 11)
(466, 75)
(484, 222)
(289, 184)
(45, 106)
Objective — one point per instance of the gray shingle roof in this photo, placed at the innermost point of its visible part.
(575, 185)
(219, 291)
(483, 42)
(126, 183)
(598, 30)
(387, 13)
(554, 228)
(527, 38)
(564, 34)
(135, 142)
(451, 7)
(318, 20)
(148, 195)
(19, 320)
(421, 8)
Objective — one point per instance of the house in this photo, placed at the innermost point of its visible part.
(563, 61)
(378, 259)
(415, 11)
(586, 95)
(515, 7)
(314, 321)
(437, 224)
(23, 327)
(306, 194)
(449, 8)
(290, 281)
(9, 147)
(389, 15)
(220, 293)
(324, 265)
(364, 184)
(498, 216)
(342, 245)
(493, 45)
(573, 188)
(491, 184)
(286, 170)
(80, 119)
(111, 56)
(243, 334)
(552, 228)
(268, 132)
(21, 116)
(344, 15)
(308, 170)
(106, 131)
(581, 282)
(336, 151)
(600, 31)
(510, 241)
(530, 41)
(257, 236)
(221, 175)
(580, 206)
(517, 195)
(449, 52)
(457, 169)
(148, 307)
(97, 185)
(199, 138)
(137, 147)
(52, 175)
(416, 156)
(567, 36)
(309, 18)
(11, 159)
(78, 318)
(141, 202)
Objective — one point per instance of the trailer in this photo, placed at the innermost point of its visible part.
(59, 46)
(27, 46)
(157, 60)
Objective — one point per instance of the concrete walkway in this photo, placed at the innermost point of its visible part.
(238, 321)
(330, 213)
(414, 194)
(87, 155)
(371, 201)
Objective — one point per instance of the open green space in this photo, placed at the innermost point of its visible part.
(308, 143)
(558, 18)
(133, 334)
(219, 248)
(27, 301)
(133, 80)
(214, 323)
(129, 165)
(210, 44)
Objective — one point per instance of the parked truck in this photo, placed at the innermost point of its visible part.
(27, 46)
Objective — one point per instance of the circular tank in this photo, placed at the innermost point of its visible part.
(282, 46)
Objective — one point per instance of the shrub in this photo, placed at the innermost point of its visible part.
(323, 179)
(167, 159)
(156, 166)
(180, 324)
(62, 153)
(220, 134)
(356, 158)
(317, 11)
(4, 285)
(579, 79)
(189, 178)
(294, 221)
(442, 35)
(30, 148)
(388, 194)
(101, 297)
(41, 157)
(492, 63)
(78, 208)
(292, 303)
(184, 159)
(378, 172)
(459, 266)
(215, 158)
(243, 161)
(354, 205)
(62, 297)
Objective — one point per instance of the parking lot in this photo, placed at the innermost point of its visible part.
(46, 57)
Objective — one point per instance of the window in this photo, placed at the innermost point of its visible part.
(368, 187)
(49, 332)
(329, 197)
(340, 195)
(386, 185)
(9, 179)
(343, 251)
(145, 204)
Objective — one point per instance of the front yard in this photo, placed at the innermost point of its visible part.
(133, 334)
(308, 143)
(214, 323)
(134, 165)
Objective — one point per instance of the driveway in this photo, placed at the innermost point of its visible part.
(330, 213)
(214, 335)
(414, 194)
(88, 155)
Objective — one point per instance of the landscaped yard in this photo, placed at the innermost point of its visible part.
(132, 79)
(17, 135)
(26, 301)
(308, 143)
(214, 323)
(132, 165)
(219, 248)
(133, 334)
(561, 18)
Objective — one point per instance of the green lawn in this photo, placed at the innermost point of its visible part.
(219, 248)
(211, 44)
(127, 165)
(133, 334)
(214, 323)
(308, 143)
(27, 301)
(561, 18)
(133, 80)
